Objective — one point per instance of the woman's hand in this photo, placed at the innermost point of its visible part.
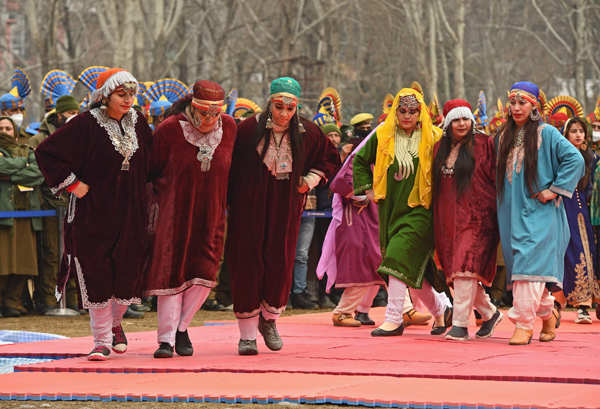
(546, 195)
(370, 195)
(81, 190)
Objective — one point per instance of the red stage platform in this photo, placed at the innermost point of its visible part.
(324, 364)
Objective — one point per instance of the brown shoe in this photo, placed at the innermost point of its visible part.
(547, 334)
(521, 337)
(414, 317)
(344, 320)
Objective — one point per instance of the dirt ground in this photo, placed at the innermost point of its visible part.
(80, 326)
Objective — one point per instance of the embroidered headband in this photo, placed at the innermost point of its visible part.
(284, 97)
(207, 105)
(408, 101)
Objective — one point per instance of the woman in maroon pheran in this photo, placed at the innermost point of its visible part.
(465, 222)
(102, 157)
(190, 163)
(278, 157)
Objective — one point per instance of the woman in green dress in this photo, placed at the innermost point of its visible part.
(400, 184)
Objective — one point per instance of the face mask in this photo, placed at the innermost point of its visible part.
(17, 119)
(596, 136)
(362, 133)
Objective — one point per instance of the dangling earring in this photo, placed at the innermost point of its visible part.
(301, 127)
(509, 112)
(103, 103)
(534, 115)
(269, 124)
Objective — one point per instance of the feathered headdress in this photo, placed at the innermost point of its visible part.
(417, 87)
(434, 111)
(595, 115)
(388, 100)
(20, 88)
(163, 93)
(481, 111)
(55, 84)
(245, 107)
(230, 101)
(329, 108)
(89, 76)
(560, 109)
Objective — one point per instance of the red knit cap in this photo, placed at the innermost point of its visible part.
(106, 75)
(108, 81)
(455, 109)
(455, 103)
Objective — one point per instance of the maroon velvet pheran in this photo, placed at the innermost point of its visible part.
(264, 219)
(466, 226)
(105, 231)
(190, 230)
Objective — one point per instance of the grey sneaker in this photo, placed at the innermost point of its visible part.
(247, 347)
(458, 334)
(269, 332)
(487, 327)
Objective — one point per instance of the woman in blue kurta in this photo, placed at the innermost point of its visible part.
(580, 283)
(537, 166)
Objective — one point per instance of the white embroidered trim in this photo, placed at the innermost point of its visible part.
(69, 180)
(406, 148)
(84, 294)
(71, 209)
(126, 144)
(182, 287)
(207, 143)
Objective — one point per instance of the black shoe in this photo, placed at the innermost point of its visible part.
(448, 317)
(487, 328)
(268, 330)
(458, 333)
(165, 350)
(302, 301)
(558, 315)
(11, 312)
(364, 318)
(379, 302)
(326, 303)
(378, 332)
(141, 308)
(247, 347)
(213, 305)
(130, 313)
(183, 345)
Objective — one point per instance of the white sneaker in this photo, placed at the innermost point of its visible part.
(583, 317)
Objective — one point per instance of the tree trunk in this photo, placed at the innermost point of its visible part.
(459, 59)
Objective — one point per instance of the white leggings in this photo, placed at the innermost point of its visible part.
(175, 312)
(103, 319)
(468, 294)
(530, 298)
(435, 302)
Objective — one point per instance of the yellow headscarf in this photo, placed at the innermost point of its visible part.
(420, 194)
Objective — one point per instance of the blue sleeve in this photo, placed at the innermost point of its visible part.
(571, 166)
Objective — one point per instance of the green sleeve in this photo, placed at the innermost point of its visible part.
(9, 166)
(30, 175)
(361, 166)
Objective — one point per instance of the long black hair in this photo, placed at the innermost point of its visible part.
(507, 134)
(587, 153)
(296, 140)
(464, 165)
